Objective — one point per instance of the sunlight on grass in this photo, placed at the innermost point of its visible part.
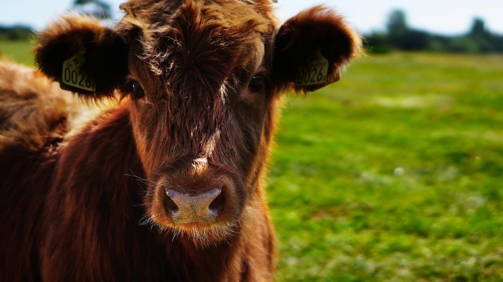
(413, 102)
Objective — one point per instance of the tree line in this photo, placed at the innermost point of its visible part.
(15, 32)
(399, 36)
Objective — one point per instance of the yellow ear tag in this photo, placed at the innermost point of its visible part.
(315, 71)
(72, 74)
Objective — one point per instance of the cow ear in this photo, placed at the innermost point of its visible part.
(311, 48)
(83, 55)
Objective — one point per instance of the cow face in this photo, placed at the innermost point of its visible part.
(202, 80)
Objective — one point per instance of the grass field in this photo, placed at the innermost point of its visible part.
(395, 173)
(19, 51)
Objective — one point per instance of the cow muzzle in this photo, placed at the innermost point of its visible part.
(202, 203)
(189, 207)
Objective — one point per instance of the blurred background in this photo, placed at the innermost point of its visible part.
(436, 25)
(395, 173)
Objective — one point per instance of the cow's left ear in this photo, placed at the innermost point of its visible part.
(83, 55)
(310, 49)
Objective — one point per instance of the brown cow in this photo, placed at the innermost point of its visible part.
(164, 184)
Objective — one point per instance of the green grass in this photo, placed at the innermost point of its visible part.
(17, 50)
(395, 173)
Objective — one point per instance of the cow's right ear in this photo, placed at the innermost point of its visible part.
(83, 55)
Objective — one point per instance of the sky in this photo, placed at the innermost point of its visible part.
(447, 17)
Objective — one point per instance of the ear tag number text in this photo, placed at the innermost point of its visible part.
(72, 74)
(315, 71)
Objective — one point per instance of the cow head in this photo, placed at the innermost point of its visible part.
(202, 80)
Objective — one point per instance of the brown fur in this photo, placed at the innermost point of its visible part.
(87, 201)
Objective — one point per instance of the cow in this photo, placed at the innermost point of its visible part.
(137, 152)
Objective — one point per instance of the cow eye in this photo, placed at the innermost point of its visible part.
(137, 90)
(255, 81)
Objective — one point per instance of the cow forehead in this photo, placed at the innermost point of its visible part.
(196, 27)
(154, 10)
(197, 38)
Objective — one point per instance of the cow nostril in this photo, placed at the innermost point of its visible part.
(217, 204)
(170, 205)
